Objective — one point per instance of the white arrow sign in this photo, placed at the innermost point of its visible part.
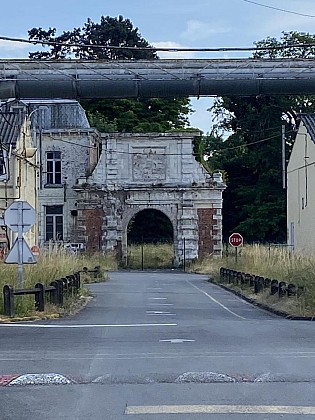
(27, 255)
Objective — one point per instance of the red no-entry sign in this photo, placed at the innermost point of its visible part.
(236, 239)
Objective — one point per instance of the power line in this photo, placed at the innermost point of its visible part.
(278, 8)
(250, 144)
(70, 142)
(301, 167)
(171, 50)
(166, 154)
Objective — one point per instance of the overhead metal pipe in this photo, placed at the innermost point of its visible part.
(74, 79)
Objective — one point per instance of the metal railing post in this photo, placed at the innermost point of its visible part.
(8, 300)
(40, 297)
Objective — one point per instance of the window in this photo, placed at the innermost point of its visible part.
(53, 167)
(54, 223)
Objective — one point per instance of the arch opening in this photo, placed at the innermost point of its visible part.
(150, 239)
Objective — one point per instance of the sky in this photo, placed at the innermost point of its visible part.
(164, 23)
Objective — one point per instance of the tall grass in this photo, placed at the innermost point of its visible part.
(275, 263)
(150, 255)
(51, 265)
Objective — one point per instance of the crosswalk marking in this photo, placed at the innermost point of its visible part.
(219, 409)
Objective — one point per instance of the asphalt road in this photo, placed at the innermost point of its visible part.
(161, 345)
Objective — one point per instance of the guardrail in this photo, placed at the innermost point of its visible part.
(259, 284)
(56, 292)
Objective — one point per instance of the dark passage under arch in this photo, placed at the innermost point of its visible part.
(150, 226)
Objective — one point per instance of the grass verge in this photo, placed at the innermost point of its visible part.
(275, 263)
(52, 265)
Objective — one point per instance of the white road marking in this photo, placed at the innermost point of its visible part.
(176, 341)
(215, 301)
(150, 356)
(155, 298)
(159, 313)
(161, 304)
(220, 409)
(86, 325)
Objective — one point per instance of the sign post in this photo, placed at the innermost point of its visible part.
(236, 240)
(20, 217)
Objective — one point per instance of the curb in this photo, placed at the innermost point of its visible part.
(282, 314)
(28, 318)
(81, 304)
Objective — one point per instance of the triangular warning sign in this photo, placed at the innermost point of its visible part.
(27, 255)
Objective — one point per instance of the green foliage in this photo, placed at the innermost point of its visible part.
(123, 115)
(140, 115)
(255, 202)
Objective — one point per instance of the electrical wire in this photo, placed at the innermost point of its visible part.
(70, 142)
(252, 143)
(278, 8)
(171, 50)
(301, 167)
(169, 154)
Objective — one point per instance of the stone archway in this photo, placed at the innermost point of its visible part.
(150, 240)
(137, 172)
(162, 213)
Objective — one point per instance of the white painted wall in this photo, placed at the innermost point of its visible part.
(300, 195)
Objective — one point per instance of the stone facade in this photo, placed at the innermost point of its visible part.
(137, 172)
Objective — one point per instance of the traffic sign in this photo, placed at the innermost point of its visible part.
(19, 215)
(236, 239)
(27, 256)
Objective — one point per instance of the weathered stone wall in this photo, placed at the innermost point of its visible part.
(155, 171)
(75, 162)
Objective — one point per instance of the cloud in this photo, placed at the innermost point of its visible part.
(172, 45)
(198, 31)
(11, 49)
(10, 45)
(273, 24)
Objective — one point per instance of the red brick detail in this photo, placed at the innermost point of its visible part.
(93, 221)
(205, 231)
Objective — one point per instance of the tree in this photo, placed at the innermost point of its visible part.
(120, 114)
(255, 202)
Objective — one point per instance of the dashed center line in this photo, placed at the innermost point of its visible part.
(157, 298)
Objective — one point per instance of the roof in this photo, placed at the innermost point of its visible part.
(309, 123)
(53, 114)
(57, 114)
(10, 124)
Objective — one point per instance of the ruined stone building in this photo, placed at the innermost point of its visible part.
(89, 186)
(137, 172)
(68, 148)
